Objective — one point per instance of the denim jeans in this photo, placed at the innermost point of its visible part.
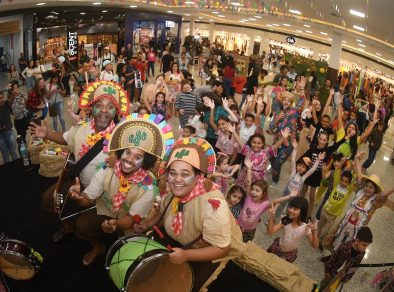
(151, 66)
(227, 86)
(371, 157)
(283, 153)
(8, 146)
(30, 82)
(59, 110)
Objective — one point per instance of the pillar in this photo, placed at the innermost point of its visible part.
(212, 32)
(191, 26)
(336, 50)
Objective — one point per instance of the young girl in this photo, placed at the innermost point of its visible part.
(224, 172)
(159, 107)
(197, 121)
(142, 110)
(226, 142)
(294, 229)
(256, 203)
(256, 152)
(186, 103)
(298, 175)
(235, 199)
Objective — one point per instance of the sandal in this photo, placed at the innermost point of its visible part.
(91, 256)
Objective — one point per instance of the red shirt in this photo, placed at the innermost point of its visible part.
(228, 72)
(140, 67)
(34, 100)
(239, 83)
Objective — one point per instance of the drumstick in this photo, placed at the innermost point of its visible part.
(161, 235)
(87, 79)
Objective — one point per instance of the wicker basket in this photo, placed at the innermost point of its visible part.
(34, 151)
(52, 165)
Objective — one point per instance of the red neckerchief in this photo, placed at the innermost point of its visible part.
(94, 137)
(125, 184)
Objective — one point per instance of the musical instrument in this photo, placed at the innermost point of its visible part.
(137, 263)
(336, 281)
(63, 205)
(18, 260)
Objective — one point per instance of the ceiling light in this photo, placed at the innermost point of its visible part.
(187, 14)
(285, 24)
(357, 13)
(211, 20)
(345, 42)
(82, 13)
(96, 3)
(257, 16)
(189, 2)
(378, 54)
(51, 16)
(307, 25)
(361, 45)
(252, 18)
(308, 31)
(200, 17)
(360, 41)
(269, 25)
(391, 61)
(236, 3)
(170, 11)
(361, 49)
(330, 39)
(295, 11)
(274, 24)
(133, 6)
(222, 16)
(323, 33)
(299, 31)
(242, 21)
(358, 28)
(104, 11)
(54, 12)
(41, 3)
(215, 12)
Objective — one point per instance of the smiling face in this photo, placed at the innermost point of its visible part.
(301, 168)
(256, 193)
(370, 188)
(234, 199)
(41, 84)
(223, 166)
(344, 181)
(131, 160)
(322, 140)
(325, 122)
(160, 98)
(222, 126)
(286, 102)
(257, 144)
(248, 122)
(293, 213)
(104, 112)
(181, 178)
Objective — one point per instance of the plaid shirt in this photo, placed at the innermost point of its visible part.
(219, 112)
(34, 100)
(340, 256)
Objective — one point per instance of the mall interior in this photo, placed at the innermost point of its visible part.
(240, 63)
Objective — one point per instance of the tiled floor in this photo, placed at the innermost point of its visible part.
(381, 224)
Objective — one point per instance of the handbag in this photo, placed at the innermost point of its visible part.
(52, 110)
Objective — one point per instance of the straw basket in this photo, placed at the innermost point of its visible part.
(52, 165)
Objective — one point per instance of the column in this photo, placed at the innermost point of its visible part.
(191, 26)
(251, 44)
(211, 32)
(336, 50)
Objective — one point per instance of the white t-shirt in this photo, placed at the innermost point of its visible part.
(141, 207)
(291, 237)
(201, 132)
(107, 76)
(245, 132)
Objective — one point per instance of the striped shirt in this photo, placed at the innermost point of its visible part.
(186, 101)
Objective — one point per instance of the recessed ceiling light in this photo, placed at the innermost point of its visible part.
(257, 16)
(200, 17)
(358, 28)
(236, 3)
(307, 25)
(189, 2)
(41, 3)
(170, 11)
(378, 54)
(82, 13)
(197, 20)
(211, 20)
(299, 31)
(295, 11)
(222, 16)
(360, 41)
(323, 33)
(242, 21)
(54, 12)
(361, 49)
(252, 18)
(104, 11)
(308, 31)
(345, 42)
(357, 13)
(274, 24)
(133, 6)
(187, 14)
(96, 3)
(330, 39)
(269, 25)
(215, 12)
(361, 45)
(285, 24)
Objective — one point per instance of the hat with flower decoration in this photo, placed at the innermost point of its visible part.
(105, 89)
(195, 151)
(150, 133)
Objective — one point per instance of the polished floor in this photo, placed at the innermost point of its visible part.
(380, 251)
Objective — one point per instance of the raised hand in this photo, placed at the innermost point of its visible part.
(360, 155)
(375, 117)
(39, 131)
(209, 102)
(248, 163)
(302, 82)
(312, 226)
(259, 101)
(75, 190)
(230, 127)
(109, 226)
(285, 133)
(280, 116)
(321, 156)
(272, 210)
(249, 98)
(294, 143)
(332, 91)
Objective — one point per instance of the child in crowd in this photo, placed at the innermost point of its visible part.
(142, 110)
(255, 151)
(348, 256)
(224, 172)
(186, 103)
(159, 106)
(188, 131)
(235, 199)
(294, 228)
(256, 203)
(197, 121)
(298, 175)
(226, 142)
(375, 141)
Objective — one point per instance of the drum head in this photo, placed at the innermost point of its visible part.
(16, 266)
(157, 273)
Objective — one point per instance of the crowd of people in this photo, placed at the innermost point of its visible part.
(319, 135)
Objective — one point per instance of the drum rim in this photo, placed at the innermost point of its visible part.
(158, 255)
(16, 241)
(31, 267)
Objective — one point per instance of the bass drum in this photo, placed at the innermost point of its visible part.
(18, 260)
(137, 263)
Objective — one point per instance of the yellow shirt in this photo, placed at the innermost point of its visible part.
(345, 148)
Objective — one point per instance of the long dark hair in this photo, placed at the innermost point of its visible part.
(298, 203)
(42, 93)
(353, 141)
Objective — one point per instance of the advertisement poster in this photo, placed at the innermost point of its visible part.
(72, 46)
(241, 65)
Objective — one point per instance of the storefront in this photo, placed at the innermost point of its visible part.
(11, 38)
(156, 30)
(50, 39)
(233, 41)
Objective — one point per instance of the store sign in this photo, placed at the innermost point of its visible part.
(290, 40)
(72, 46)
(170, 23)
(9, 27)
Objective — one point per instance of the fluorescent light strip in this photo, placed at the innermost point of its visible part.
(41, 3)
(308, 31)
(133, 6)
(357, 13)
(269, 25)
(257, 16)
(215, 12)
(360, 41)
(361, 45)
(274, 24)
(378, 54)
(170, 11)
(295, 11)
(307, 25)
(285, 24)
(298, 30)
(222, 16)
(323, 33)
(187, 14)
(254, 19)
(358, 28)
(96, 3)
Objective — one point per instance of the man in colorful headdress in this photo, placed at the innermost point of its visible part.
(105, 99)
(123, 194)
(196, 216)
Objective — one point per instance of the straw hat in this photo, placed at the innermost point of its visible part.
(375, 180)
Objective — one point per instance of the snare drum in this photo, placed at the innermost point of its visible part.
(139, 264)
(18, 260)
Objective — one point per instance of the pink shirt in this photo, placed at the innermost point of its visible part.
(225, 144)
(251, 213)
(151, 57)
